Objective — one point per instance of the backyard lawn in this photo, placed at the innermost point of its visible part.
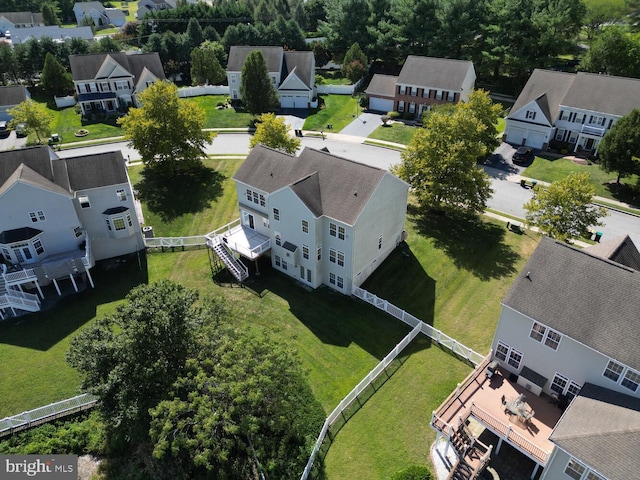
(396, 132)
(338, 110)
(332, 77)
(221, 118)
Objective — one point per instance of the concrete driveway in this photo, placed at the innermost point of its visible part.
(12, 142)
(363, 125)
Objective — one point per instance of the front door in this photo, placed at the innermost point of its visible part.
(247, 220)
(589, 144)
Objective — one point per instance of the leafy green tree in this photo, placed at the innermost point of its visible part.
(488, 113)
(8, 64)
(416, 25)
(315, 12)
(242, 409)
(35, 116)
(50, 12)
(256, 89)
(55, 80)
(205, 67)
(194, 33)
(619, 150)
(105, 45)
(440, 163)
(273, 132)
(599, 14)
(166, 130)
(240, 34)
(78, 46)
(355, 63)
(614, 52)
(321, 54)
(346, 24)
(564, 209)
(131, 358)
(460, 29)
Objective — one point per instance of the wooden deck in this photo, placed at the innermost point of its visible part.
(481, 397)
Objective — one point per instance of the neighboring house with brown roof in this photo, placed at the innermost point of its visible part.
(323, 219)
(567, 334)
(10, 97)
(292, 74)
(423, 82)
(59, 216)
(569, 111)
(13, 20)
(111, 81)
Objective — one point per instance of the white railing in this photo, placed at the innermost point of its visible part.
(173, 242)
(591, 130)
(225, 228)
(203, 90)
(19, 277)
(353, 395)
(18, 299)
(436, 335)
(227, 231)
(47, 413)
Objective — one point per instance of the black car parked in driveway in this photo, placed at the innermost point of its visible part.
(522, 155)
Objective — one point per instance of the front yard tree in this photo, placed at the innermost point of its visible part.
(273, 132)
(205, 67)
(257, 91)
(564, 209)
(619, 150)
(354, 65)
(35, 116)
(488, 113)
(440, 163)
(55, 80)
(166, 130)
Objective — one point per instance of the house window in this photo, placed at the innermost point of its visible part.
(560, 134)
(277, 260)
(118, 223)
(451, 96)
(531, 115)
(341, 233)
(305, 252)
(278, 239)
(403, 90)
(332, 278)
(276, 214)
(332, 229)
(414, 91)
(332, 255)
(507, 354)
(301, 272)
(563, 115)
(439, 94)
(574, 469)
(308, 275)
(274, 80)
(573, 137)
(77, 231)
(255, 198)
(541, 334)
(341, 259)
(380, 242)
(104, 86)
(249, 194)
(37, 245)
(232, 78)
(559, 384)
(340, 282)
(593, 476)
(37, 216)
(6, 253)
(631, 380)
(613, 371)
(121, 194)
(262, 201)
(122, 85)
(305, 226)
(537, 332)
(284, 265)
(108, 224)
(515, 358)
(579, 118)
(401, 106)
(553, 339)
(573, 390)
(502, 351)
(319, 253)
(412, 107)
(84, 202)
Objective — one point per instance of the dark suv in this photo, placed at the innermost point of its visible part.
(522, 155)
(4, 130)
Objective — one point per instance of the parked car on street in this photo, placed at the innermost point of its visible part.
(523, 155)
(4, 130)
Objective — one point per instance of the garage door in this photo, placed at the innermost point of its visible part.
(515, 136)
(300, 101)
(287, 101)
(535, 140)
(380, 104)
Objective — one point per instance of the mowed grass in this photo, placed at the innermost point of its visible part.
(337, 110)
(221, 118)
(396, 132)
(332, 77)
(553, 169)
(619, 4)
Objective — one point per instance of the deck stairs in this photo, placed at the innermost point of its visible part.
(12, 300)
(233, 264)
(472, 460)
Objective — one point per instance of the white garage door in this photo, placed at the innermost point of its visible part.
(286, 101)
(515, 136)
(535, 140)
(380, 104)
(300, 101)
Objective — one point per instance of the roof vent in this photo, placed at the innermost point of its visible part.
(355, 194)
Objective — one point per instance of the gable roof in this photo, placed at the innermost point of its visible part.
(13, 95)
(434, 72)
(87, 66)
(602, 428)
(302, 63)
(548, 88)
(593, 300)
(85, 7)
(273, 57)
(383, 85)
(39, 166)
(21, 35)
(603, 93)
(621, 250)
(327, 184)
(22, 18)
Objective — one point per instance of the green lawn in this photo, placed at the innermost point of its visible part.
(336, 110)
(224, 118)
(332, 77)
(396, 132)
(551, 169)
(66, 122)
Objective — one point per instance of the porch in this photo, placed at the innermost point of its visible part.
(241, 239)
(484, 398)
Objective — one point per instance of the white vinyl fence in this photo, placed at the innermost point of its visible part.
(175, 242)
(418, 327)
(203, 90)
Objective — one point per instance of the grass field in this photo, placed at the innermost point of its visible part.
(332, 77)
(396, 132)
(338, 110)
(221, 118)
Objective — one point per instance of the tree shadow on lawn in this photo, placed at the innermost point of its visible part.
(113, 279)
(180, 190)
(473, 244)
(624, 192)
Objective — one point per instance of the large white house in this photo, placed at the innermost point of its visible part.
(95, 13)
(567, 340)
(59, 216)
(105, 82)
(322, 219)
(292, 74)
(569, 111)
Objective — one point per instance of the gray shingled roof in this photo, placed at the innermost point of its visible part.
(70, 174)
(273, 56)
(12, 95)
(18, 234)
(590, 299)
(553, 86)
(87, 6)
(329, 185)
(86, 67)
(21, 35)
(621, 250)
(302, 62)
(434, 72)
(602, 428)
(603, 93)
(382, 85)
(22, 18)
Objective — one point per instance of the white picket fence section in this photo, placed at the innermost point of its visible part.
(47, 413)
(418, 326)
(175, 242)
(68, 101)
(338, 89)
(203, 90)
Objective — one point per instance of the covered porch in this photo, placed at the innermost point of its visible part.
(98, 102)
